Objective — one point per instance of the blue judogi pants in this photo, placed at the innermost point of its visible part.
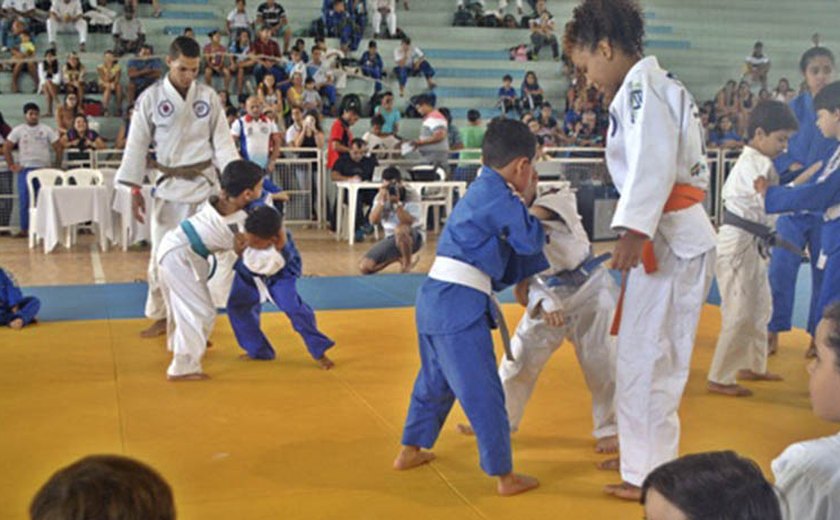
(404, 72)
(27, 311)
(375, 72)
(244, 313)
(461, 366)
(800, 229)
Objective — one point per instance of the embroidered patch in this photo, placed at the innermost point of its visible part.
(201, 109)
(636, 100)
(264, 129)
(165, 108)
(697, 169)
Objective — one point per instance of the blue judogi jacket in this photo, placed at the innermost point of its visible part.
(490, 229)
(371, 60)
(294, 262)
(807, 145)
(10, 294)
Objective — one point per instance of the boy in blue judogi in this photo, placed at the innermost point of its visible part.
(16, 310)
(269, 270)
(489, 243)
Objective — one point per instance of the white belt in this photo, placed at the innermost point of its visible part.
(832, 213)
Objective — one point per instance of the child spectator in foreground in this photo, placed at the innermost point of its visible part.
(808, 473)
(508, 100)
(743, 249)
(311, 99)
(23, 59)
(16, 310)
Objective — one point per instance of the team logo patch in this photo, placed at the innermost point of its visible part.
(636, 100)
(201, 109)
(165, 108)
(697, 169)
(264, 129)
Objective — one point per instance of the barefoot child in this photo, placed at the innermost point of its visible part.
(744, 242)
(489, 242)
(268, 270)
(184, 266)
(16, 310)
(656, 157)
(575, 299)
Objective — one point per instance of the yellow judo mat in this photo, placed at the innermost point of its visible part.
(285, 440)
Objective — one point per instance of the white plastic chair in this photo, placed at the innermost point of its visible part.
(434, 197)
(45, 177)
(84, 177)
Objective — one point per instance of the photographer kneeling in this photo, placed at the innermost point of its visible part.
(397, 208)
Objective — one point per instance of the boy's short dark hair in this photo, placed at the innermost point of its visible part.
(105, 487)
(473, 115)
(240, 175)
(406, 40)
(309, 81)
(391, 173)
(812, 53)
(828, 98)
(715, 485)
(505, 141)
(358, 142)
(351, 109)
(377, 120)
(31, 106)
(387, 93)
(372, 44)
(424, 99)
(507, 77)
(184, 46)
(771, 116)
(832, 315)
(546, 104)
(264, 222)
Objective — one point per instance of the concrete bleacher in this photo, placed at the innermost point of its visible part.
(703, 43)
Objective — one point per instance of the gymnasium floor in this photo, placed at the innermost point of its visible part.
(282, 439)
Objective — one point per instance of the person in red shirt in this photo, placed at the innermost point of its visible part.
(267, 52)
(215, 63)
(341, 136)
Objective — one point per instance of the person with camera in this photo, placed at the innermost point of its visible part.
(397, 208)
(356, 166)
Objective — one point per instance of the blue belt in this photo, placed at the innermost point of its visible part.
(197, 245)
(579, 275)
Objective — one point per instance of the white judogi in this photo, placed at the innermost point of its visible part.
(656, 141)
(807, 477)
(183, 132)
(183, 283)
(60, 8)
(741, 270)
(587, 311)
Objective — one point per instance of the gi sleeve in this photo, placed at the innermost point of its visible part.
(133, 165)
(809, 197)
(651, 143)
(10, 294)
(511, 220)
(224, 150)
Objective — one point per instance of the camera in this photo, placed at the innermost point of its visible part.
(395, 190)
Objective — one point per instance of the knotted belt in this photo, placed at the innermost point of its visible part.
(767, 236)
(188, 171)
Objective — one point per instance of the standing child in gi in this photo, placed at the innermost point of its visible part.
(743, 249)
(489, 242)
(268, 270)
(657, 160)
(184, 266)
(16, 310)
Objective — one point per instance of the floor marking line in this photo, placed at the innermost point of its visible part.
(96, 263)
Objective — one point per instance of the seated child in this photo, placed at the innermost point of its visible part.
(719, 485)
(183, 257)
(743, 255)
(311, 99)
(16, 310)
(508, 101)
(268, 270)
(808, 473)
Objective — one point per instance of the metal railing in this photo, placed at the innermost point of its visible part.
(303, 179)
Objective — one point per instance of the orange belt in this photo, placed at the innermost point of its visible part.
(683, 196)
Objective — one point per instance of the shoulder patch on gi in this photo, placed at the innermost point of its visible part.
(698, 168)
(165, 108)
(201, 109)
(636, 100)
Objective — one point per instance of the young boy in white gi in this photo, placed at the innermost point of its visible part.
(575, 298)
(186, 122)
(184, 266)
(743, 248)
(490, 241)
(656, 157)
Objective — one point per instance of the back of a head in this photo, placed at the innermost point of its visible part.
(505, 141)
(264, 222)
(184, 46)
(828, 98)
(715, 486)
(771, 116)
(424, 99)
(104, 487)
(473, 115)
(240, 175)
(391, 173)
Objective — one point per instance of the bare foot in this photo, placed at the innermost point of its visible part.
(156, 329)
(412, 456)
(812, 350)
(209, 344)
(772, 343)
(613, 464)
(465, 429)
(515, 483)
(607, 444)
(624, 491)
(325, 362)
(198, 376)
(735, 390)
(16, 324)
(749, 375)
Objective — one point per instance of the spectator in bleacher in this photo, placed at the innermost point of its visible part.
(5, 129)
(757, 65)
(586, 131)
(128, 33)
(109, 76)
(311, 100)
(122, 133)
(531, 92)
(272, 16)
(67, 112)
(49, 79)
(572, 116)
(341, 24)
(341, 136)
(67, 15)
(22, 11)
(23, 58)
(294, 96)
(34, 140)
(357, 166)
(100, 18)
(472, 137)
(294, 126)
(542, 32)
(508, 100)
(143, 71)
(271, 97)
(81, 137)
(726, 100)
(389, 114)
(546, 116)
(239, 20)
(725, 135)
(266, 53)
(783, 92)
(764, 95)
(188, 32)
(372, 65)
(224, 97)
(215, 61)
(243, 61)
(433, 143)
(386, 9)
(543, 134)
(377, 140)
(453, 134)
(73, 75)
(295, 65)
(410, 61)
(746, 103)
(324, 80)
(256, 136)
(300, 46)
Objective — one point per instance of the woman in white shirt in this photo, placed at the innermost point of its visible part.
(49, 79)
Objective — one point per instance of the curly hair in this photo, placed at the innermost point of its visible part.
(618, 21)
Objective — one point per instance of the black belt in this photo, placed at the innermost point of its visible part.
(767, 236)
